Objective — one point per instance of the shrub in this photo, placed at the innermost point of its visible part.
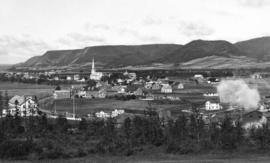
(15, 148)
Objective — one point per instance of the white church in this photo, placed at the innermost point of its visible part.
(95, 75)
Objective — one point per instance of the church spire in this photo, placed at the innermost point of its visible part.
(93, 66)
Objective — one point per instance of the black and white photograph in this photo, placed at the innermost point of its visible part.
(135, 81)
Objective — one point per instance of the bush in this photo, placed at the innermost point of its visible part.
(16, 149)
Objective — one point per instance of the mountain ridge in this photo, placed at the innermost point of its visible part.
(256, 50)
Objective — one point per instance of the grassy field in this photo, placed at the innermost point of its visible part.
(192, 92)
(26, 89)
(84, 106)
(161, 158)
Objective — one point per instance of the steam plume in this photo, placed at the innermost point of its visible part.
(237, 92)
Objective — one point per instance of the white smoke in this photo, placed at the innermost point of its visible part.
(237, 92)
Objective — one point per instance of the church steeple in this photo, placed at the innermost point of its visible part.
(95, 75)
(93, 66)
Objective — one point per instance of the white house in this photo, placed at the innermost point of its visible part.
(210, 94)
(180, 86)
(166, 89)
(116, 112)
(102, 114)
(200, 76)
(25, 105)
(212, 106)
(69, 78)
(76, 77)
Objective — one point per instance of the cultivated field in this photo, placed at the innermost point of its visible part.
(26, 89)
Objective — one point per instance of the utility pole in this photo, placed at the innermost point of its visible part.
(73, 107)
(54, 106)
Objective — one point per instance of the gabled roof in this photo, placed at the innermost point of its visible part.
(20, 99)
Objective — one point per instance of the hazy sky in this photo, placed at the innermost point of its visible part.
(31, 27)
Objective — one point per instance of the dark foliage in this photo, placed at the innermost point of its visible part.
(42, 138)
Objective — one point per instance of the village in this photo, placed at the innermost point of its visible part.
(125, 94)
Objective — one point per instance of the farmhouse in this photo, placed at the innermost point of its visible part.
(166, 89)
(25, 105)
(148, 85)
(156, 86)
(139, 92)
(212, 106)
(76, 77)
(180, 86)
(198, 76)
(69, 78)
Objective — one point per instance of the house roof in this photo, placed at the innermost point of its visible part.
(20, 99)
(166, 87)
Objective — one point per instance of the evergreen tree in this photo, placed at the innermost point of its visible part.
(58, 88)
(110, 141)
(61, 124)
(1, 104)
(127, 128)
(154, 132)
(83, 124)
(239, 132)
(138, 131)
(43, 123)
(261, 136)
(6, 101)
(17, 119)
(228, 137)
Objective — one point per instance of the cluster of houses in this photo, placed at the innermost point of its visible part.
(113, 114)
(129, 84)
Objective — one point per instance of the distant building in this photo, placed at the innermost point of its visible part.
(213, 80)
(76, 77)
(148, 85)
(156, 86)
(210, 94)
(56, 78)
(62, 94)
(25, 105)
(102, 93)
(166, 89)
(212, 106)
(69, 78)
(139, 92)
(256, 76)
(200, 76)
(95, 75)
(119, 88)
(180, 86)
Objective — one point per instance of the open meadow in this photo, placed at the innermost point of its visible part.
(14, 88)
(87, 106)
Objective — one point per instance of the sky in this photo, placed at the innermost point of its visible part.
(32, 27)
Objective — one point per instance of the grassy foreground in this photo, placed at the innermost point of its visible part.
(161, 158)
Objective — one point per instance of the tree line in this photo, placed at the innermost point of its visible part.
(38, 137)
